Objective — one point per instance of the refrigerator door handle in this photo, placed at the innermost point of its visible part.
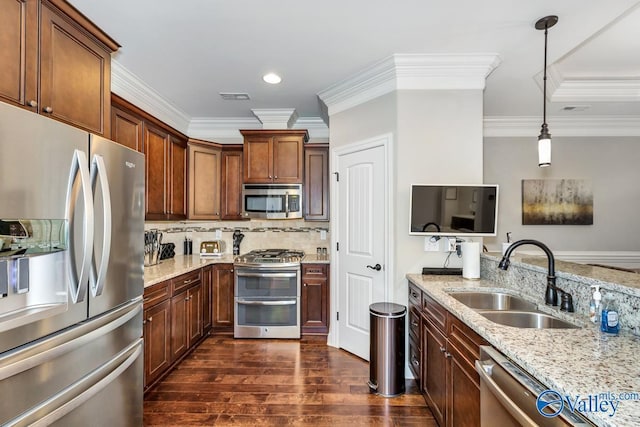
(99, 272)
(78, 282)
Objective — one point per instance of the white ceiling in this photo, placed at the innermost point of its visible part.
(188, 51)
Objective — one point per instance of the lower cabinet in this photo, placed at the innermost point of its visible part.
(314, 299)
(223, 298)
(174, 321)
(447, 352)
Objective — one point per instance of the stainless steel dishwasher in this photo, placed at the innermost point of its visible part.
(508, 396)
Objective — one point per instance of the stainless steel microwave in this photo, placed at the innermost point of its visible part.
(272, 201)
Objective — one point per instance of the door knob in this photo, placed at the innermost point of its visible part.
(376, 267)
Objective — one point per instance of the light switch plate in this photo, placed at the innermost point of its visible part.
(218, 234)
(323, 235)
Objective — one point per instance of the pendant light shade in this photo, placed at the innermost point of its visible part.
(544, 139)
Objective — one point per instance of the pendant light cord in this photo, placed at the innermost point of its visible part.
(544, 79)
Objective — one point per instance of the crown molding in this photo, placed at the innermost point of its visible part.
(410, 72)
(130, 87)
(276, 118)
(528, 126)
(317, 128)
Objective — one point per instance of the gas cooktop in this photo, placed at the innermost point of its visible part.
(270, 256)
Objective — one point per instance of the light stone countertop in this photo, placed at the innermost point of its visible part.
(178, 265)
(571, 361)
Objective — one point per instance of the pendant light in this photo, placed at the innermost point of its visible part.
(544, 140)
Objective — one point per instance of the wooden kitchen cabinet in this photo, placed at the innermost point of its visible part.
(186, 313)
(273, 156)
(231, 188)
(223, 298)
(156, 331)
(127, 129)
(204, 180)
(314, 299)
(177, 178)
(316, 182)
(447, 353)
(57, 62)
(207, 299)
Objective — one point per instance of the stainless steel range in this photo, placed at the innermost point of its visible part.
(267, 294)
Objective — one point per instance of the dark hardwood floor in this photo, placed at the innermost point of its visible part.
(275, 383)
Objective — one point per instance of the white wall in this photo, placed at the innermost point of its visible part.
(611, 163)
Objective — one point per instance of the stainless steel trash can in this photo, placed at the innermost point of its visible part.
(386, 355)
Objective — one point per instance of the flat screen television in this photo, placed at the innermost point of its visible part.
(453, 210)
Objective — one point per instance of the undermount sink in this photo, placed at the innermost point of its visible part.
(527, 319)
(493, 301)
(509, 310)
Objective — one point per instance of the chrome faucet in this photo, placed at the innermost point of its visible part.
(551, 293)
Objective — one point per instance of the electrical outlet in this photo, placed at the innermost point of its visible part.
(218, 234)
(451, 244)
(323, 234)
(431, 246)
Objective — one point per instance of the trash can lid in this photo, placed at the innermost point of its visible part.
(387, 309)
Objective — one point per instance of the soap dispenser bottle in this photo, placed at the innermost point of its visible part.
(609, 322)
(594, 305)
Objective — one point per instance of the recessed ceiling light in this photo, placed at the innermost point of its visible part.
(272, 78)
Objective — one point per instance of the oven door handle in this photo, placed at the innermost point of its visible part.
(276, 275)
(263, 302)
(484, 368)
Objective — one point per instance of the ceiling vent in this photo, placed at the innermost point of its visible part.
(231, 96)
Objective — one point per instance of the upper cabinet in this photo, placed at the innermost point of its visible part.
(204, 180)
(165, 151)
(231, 191)
(316, 182)
(58, 63)
(274, 156)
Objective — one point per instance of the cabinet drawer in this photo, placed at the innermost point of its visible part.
(414, 359)
(415, 296)
(157, 293)
(435, 312)
(414, 325)
(466, 343)
(314, 270)
(186, 280)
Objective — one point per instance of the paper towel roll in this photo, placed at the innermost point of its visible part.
(471, 260)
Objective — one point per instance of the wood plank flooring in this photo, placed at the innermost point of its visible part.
(276, 383)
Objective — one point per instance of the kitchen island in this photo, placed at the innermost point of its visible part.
(574, 362)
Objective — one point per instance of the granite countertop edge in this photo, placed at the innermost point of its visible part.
(571, 361)
(181, 264)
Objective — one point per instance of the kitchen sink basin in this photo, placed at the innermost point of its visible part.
(493, 301)
(526, 319)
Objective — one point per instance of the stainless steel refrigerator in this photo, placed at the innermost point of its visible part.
(71, 275)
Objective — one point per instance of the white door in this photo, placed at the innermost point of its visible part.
(362, 235)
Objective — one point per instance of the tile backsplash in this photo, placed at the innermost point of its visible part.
(287, 234)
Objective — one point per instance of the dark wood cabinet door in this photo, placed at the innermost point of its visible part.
(314, 299)
(75, 75)
(287, 159)
(127, 129)
(223, 298)
(177, 178)
(179, 325)
(258, 159)
(231, 189)
(19, 53)
(316, 183)
(156, 152)
(207, 294)
(204, 182)
(194, 313)
(463, 392)
(434, 369)
(157, 340)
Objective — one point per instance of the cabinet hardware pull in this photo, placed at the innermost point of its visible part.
(150, 319)
(186, 282)
(304, 284)
(275, 177)
(414, 323)
(32, 103)
(48, 110)
(447, 355)
(442, 349)
(415, 361)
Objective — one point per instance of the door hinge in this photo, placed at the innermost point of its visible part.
(337, 246)
(337, 315)
(337, 174)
